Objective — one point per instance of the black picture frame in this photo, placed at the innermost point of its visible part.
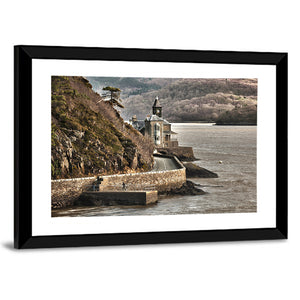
(23, 56)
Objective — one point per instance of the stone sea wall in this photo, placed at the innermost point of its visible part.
(160, 180)
(65, 191)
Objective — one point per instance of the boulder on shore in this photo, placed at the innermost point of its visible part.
(188, 188)
(193, 171)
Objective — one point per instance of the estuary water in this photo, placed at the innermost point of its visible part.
(229, 151)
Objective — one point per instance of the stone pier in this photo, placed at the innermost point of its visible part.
(65, 192)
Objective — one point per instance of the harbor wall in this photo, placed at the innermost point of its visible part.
(65, 191)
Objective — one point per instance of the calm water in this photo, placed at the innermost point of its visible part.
(234, 190)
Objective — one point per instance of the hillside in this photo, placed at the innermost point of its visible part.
(209, 100)
(129, 85)
(88, 135)
(225, 101)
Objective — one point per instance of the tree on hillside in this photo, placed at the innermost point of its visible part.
(112, 95)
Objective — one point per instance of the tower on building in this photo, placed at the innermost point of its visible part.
(156, 108)
(158, 129)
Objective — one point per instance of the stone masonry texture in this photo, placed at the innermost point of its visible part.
(65, 191)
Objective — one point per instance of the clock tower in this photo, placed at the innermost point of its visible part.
(156, 108)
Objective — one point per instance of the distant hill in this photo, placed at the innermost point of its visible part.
(88, 135)
(197, 99)
(183, 100)
(128, 85)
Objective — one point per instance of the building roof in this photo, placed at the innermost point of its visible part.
(156, 103)
(138, 125)
(154, 118)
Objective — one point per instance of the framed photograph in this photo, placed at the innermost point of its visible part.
(118, 146)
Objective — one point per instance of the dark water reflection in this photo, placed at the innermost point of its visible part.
(234, 190)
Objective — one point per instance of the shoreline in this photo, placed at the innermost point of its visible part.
(234, 124)
(187, 188)
(214, 123)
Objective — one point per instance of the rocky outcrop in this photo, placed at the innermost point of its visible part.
(188, 188)
(183, 153)
(194, 171)
(88, 135)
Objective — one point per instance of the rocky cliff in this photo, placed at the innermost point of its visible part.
(88, 135)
